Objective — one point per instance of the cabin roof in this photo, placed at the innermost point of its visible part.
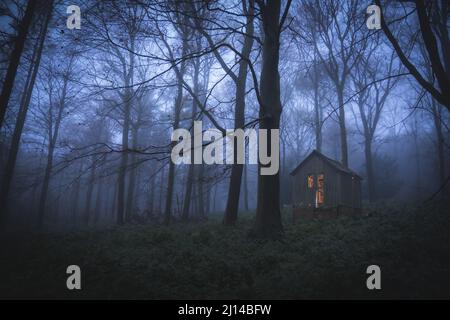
(333, 163)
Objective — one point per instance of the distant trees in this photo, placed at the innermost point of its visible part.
(334, 30)
(55, 83)
(99, 104)
(371, 99)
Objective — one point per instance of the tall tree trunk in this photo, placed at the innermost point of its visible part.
(161, 190)
(15, 59)
(317, 112)
(44, 190)
(114, 201)
(132, 178)
(98, 202)
(76, 197)
(90, 190)
(188, 193)
(246, 206)
(176, 124)
(369, 168)
(151, 196)
(122, 169)
(53, 138)
(234, 190)
(342, 127)
(437, 117)
(21, 117)
(129, 81)
(268, 215)
(417, 159)
(200, 192)
(191, 170)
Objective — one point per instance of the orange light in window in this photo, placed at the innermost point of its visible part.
(310, 181)
(320, 199)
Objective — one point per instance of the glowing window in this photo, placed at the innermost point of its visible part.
(320, 198)
(310, 181)
(320, 181)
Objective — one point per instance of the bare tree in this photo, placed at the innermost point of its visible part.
(23, 110)
(57, 88)
(15, 58)
(424, 11)
(335, 27)
(372, 96)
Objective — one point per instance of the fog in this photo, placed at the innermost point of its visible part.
(86, 136)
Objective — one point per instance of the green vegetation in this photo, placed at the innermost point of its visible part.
(315, 259)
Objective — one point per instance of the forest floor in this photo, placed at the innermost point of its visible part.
(315, 259)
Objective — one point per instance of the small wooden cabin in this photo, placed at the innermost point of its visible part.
(323, 187)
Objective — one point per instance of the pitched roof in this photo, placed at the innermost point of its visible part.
(335, 164)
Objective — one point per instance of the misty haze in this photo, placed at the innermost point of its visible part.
(357, 174)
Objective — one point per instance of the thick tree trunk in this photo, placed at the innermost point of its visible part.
(15, 59)
(234, 190)
(268, 215)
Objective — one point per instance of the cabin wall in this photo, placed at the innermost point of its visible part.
(350, 191)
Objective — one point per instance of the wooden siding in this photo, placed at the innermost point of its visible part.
(304, 196)
(340, 189)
